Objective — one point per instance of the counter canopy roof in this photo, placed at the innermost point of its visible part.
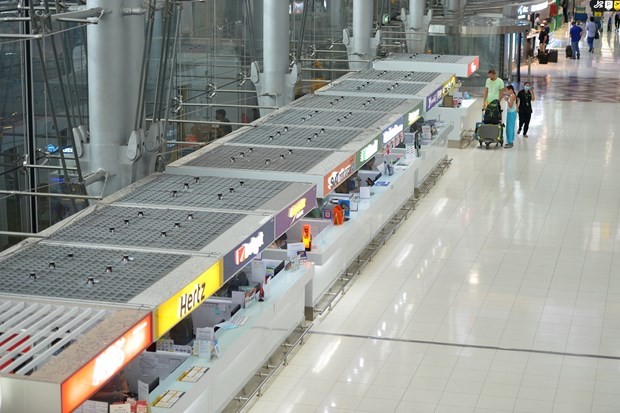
(461, 66)
(133, 252)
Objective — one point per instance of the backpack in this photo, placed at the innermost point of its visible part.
(493, 113)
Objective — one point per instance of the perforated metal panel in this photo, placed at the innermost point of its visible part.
(157, 228)
(263, 159)
(204, 192)
(348, 103)
(428, 58)
(62, 272)
(340, 119)
(41, 330)
(368, 87)
(297, 137)
(385, 75)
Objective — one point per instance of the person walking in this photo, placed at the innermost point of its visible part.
(511, 115)
(575, 36)
(493, 88)
(591, 33)
(543, 38)
(525, 97)
(617, 20)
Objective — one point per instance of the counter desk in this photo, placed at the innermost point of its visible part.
(242, 350)
(463, 118)
(335, 247)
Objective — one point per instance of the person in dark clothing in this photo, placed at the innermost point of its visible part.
(565, 10)
(617, 20)
(525, 97)
(224, 128)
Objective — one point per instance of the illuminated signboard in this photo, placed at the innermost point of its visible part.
(449, 85)
(434, 98)
(338, 175)
(85, 382)
(393, 131)
(176, 308)
(368, 151)
(294, 212)
(473, 66)
(243, 253)
(413, 116)
(605, 5)
(538, 7)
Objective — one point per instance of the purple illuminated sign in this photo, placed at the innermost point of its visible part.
(295, 211)
(434, 98)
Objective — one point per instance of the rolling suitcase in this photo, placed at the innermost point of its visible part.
(543, 58)
(552, 55)
(569, 51)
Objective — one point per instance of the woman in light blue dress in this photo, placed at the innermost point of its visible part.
(511, 115)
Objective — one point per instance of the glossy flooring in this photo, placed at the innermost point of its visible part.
(501, 293)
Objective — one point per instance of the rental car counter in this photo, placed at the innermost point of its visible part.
(123, 272)
(463, 113)
(399, 85)
(334, 247)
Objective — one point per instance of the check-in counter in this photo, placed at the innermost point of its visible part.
(242, 351)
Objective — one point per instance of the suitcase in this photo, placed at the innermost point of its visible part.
(552, 56)
(543, 58)
(489, 133)
(569, 51)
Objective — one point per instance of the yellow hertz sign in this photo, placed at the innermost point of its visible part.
(168, 314)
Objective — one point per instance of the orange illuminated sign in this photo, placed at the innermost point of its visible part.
(338, 175)
(85, 382)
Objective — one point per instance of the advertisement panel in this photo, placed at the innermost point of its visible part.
(412, 117)
(85, 382)
(473, 66)
(368, 151)
(294, 212)
(449, 84)
(243, 253)
(179, 306)
(338, 175)
(434, 98)
(394, 131)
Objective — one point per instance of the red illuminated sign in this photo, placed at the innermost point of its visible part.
(85, 382)
(473, 66)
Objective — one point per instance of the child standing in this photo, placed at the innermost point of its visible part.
(511, 115)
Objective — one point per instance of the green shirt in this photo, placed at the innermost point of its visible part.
(493, 86)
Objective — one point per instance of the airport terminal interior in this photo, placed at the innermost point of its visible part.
(280, 206)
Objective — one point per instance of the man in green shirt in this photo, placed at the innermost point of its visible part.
(493, 88)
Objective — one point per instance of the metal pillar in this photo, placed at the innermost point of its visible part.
(115, 58)
(416, 26)
(275, 86)
(361, 47)
(335, 16)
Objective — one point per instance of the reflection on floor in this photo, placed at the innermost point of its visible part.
(502, 292)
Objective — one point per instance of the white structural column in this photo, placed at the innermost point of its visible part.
(361, 47)
(416, 26)
(275, 85)
(454, 7)
(115, 49)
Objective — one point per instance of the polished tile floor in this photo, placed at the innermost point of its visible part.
(502, 292)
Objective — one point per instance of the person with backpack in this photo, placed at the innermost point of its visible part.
(511, 115)
(525, 97)
(493, 88)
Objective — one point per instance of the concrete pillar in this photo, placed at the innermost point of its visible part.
(361, 47)
(416, 26)
(335, 16)
(275, 86)
(115, 49)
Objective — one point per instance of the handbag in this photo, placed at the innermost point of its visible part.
(596, 35)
